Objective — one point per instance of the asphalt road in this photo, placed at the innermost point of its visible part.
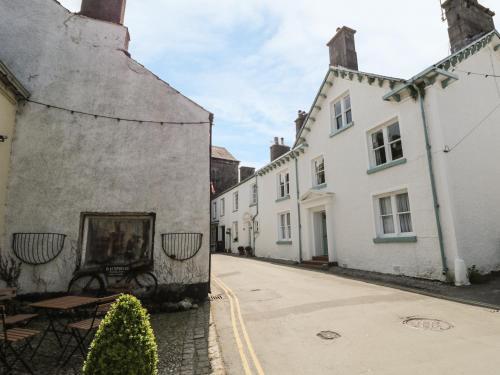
(269, 317)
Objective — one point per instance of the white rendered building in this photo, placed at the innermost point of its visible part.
(391, 175)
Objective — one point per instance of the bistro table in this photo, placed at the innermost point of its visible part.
(62, 304)
(6, 294)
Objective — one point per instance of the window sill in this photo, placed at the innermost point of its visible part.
(252, 205)
(387, 165)
(235, 211)
(319, 187)
(400, 239)
(283, 242)
(338, 131)
(283, 199)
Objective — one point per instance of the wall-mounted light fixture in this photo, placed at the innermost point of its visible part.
(3, 138)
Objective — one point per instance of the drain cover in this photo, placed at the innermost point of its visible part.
(427, 324)
(216, 297)
(328, 335)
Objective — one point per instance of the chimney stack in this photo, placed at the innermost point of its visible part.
(278, 149)
(299, 123)
(343, 49)
(104, 10)
(467, 21)
(246, 172)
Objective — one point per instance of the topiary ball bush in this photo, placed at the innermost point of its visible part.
(124, 343)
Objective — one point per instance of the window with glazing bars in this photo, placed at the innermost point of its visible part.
(283, 185)
(341, 113)
(253, 197)
(235, 201)
(285, 228)
(386, 145)
(319, 171)
(394, 214)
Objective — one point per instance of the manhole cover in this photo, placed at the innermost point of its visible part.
(216, 297)
(427, 324)
(328, 335)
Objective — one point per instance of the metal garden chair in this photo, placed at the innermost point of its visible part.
(7, 295)
(10, 338)
(82, 330)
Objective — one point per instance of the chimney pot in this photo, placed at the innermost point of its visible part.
(299, 122)
(278, 149)
(343, 49)
(104, 10)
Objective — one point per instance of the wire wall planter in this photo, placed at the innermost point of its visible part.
(37, 248)
(181, 246)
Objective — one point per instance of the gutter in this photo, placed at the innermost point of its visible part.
(433, 180)
(298, 206)
(211, 120)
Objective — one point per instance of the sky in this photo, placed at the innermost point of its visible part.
(255, 63)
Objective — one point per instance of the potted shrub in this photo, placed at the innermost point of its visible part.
(124, 343)
(476, 277)
(241, 250)
(249, 251)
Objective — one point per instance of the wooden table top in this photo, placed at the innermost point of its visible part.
(65, 303)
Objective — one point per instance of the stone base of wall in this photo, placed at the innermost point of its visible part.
(165, 293)
(177, 292)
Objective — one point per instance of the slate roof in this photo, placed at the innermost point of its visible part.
(222, 153)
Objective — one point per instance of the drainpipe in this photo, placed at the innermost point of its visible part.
(255, 216)
(421, 95)
(211, 120)
(298, 206)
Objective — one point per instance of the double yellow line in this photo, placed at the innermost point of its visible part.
(233, 301)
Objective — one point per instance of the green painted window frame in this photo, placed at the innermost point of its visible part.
(386, 166)
(282, 199)
(337, 132)
(320, 187)
(398, 239)
(284, 242)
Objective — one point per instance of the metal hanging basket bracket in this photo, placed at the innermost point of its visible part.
(37, 248)
(181, 246)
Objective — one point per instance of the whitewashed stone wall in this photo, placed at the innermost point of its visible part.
(64, 164)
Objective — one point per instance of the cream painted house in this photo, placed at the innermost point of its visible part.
(11, 90)
(392, 175)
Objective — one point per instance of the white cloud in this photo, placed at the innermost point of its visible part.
(254, 63)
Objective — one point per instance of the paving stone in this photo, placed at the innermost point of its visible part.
(186, 345)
